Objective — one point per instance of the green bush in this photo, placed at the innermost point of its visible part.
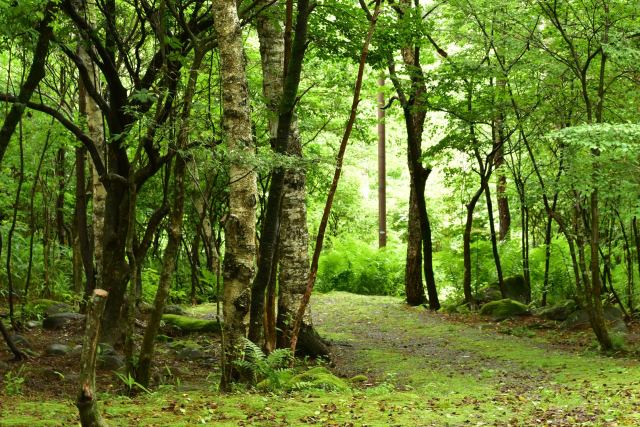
(358, 267)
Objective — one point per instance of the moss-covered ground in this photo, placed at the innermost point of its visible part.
(413, 368)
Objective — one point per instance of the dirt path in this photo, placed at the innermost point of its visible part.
(473, 369)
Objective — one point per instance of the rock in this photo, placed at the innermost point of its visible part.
(190, 324)
(57, 321)
(144, 307)
(580, 318)
(106, 349)
(47, 307)
(488, 293)
(32, 324)
(516, 289)
(76, 350)
(560, 311)
(58, 308)
(110, 362)
(504, 308)
(57, 350)
(174, 309)
(21, 341)
(190, 353)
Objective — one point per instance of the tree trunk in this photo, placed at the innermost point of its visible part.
(93, 116)
(494, 242)
(271, 224)
(382, 169)
(413, 286)
(298, 324)
(17, 354)
(239, 260)
(143, 372)
(80, 216)
(36, 73)
(86, 401)
(466, 249)
(61, 176)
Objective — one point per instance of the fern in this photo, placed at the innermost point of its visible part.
(258, 367)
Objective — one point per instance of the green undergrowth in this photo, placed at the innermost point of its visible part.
(408, 367)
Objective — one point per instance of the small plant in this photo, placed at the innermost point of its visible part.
(130, 383)
(14, 381)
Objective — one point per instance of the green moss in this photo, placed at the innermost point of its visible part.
(190, 324)
(318, 378)
(359, 378)
(504, 308)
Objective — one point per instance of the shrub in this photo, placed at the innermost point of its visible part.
(355, 266)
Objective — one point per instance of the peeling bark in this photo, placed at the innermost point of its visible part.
(240, 246)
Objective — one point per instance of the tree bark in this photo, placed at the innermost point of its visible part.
(466, 249)
(271, 223)
(494, 242)
(413, 285)
(86, 401)
(239, 260)
(143, 372)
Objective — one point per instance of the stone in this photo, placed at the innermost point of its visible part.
(59, 320)
(106, 349)
(190, 353)
(110, 362)
(580, 318)
(504, 309)
(21, 341)
(516, 289)
(76, 350)
(32, 324)
(58, 308)
(175, 309)
(47, 307)
(560, 311)
(57, 350)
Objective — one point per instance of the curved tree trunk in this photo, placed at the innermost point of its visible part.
(239, 260)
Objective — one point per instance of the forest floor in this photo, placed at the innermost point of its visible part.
(422, 369)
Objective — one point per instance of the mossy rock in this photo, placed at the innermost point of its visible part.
(318, 378)
(504, 308)
(515, 287)
(580, 318)
(47, 307)
(455, 307)
(560, 311)
(191, 324)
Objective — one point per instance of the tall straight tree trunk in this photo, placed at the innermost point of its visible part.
(174, 231)
(382, 168)
(95, 126)
(239, 260)
(466, 249)
(271, 223)
(494, 241)
(61, 177)
(413, 285)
